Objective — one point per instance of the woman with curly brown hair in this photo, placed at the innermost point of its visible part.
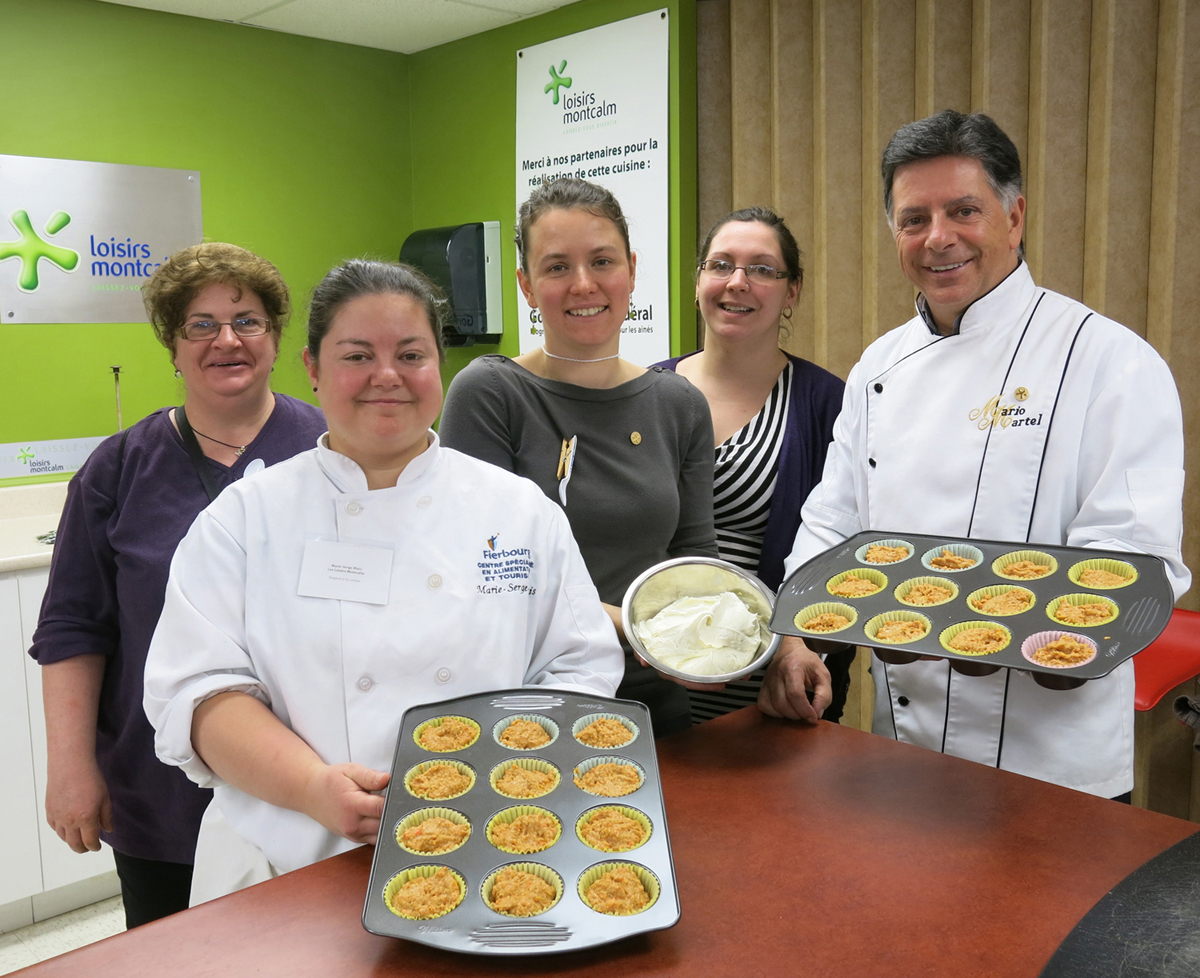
(220, 311)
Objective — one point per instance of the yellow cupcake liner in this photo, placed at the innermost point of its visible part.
(871, 628)
(833, 607)
(538, 870)
(545, 723)
(529, 764)
(959, 550)
(584, 766)
(1035, 556)
(417, 817)
(579, 725)
(1126, 570)
(419, 872)
(904, 587)
(593, 873)
(861, 553)
(437, 722)
(995, 589)
(510, 815)
(948, 633)
(426, 765)
(878, 578)
(1078, 599)
(633, 813)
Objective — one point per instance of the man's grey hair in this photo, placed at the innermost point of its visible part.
(949, 133)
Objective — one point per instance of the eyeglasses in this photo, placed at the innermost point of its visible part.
(206, 329)
(725, 269)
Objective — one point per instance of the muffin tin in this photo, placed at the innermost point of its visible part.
(569, 924)
(1143, 606)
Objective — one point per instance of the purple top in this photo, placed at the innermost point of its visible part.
(814, 405)
(126, 511)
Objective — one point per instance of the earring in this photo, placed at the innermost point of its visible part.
(787, 313)
(178, 372)
(314, 390)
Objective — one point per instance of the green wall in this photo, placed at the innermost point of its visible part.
(309, 152)
(463, 133)
(302, 147)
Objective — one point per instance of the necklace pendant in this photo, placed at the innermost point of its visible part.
(239, 451)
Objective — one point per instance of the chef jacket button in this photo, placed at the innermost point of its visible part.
(353, 508)
(871, 462)
(443, 675)
(424, 501)
(879, 388)
(903, 700)
(435, 580)
(365, 683)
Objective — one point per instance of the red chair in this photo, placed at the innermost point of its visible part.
(1171, 659)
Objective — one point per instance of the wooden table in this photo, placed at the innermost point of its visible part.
(815, 851)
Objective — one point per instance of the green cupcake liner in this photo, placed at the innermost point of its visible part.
(538, 870)
(949, 633)
(417, 817)
(904, 587)
(583, 722)
(419, 872)
(1035, 556)
(832, 607)
(871, 628)
(1127, 571)
(649, 882)
(995, 589)
(426, 765)
(877, 578)
(529, 764)
(437, 722)
(1078, 599)
(510, 815)
(632, 813)
(545, 723)
(584, 766)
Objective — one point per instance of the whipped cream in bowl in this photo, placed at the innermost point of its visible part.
(700, 619)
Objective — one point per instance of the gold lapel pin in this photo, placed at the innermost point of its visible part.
(636, 437)
(1021, 393)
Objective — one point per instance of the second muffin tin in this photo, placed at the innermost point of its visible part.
(1143, 607)
(569, 924)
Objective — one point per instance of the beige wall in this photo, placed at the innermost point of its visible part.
(797, 99)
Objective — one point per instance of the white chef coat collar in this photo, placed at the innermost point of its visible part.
(348, 476)
(1010, 296)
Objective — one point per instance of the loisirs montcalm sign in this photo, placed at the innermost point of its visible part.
(87, 236)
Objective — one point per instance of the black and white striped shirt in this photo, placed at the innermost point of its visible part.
(747, 466)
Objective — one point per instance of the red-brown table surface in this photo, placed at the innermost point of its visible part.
(798, 851)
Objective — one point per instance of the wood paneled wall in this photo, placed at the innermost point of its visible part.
(1101, 97)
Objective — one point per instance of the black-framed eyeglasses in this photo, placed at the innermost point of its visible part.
(719, 268)
(207, 329)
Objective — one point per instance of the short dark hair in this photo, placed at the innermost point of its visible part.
(568, 193)
(187, 273)
(360, 276)
(783, 234)
(949, 133)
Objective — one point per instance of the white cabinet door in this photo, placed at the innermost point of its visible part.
(20, 855)
(60, 866)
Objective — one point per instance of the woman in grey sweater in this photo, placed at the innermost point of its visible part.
(627, 452)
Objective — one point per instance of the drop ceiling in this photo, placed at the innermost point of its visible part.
(393, 25)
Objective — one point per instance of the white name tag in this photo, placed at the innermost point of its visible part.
(346, 572)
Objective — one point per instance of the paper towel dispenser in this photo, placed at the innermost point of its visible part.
(464, 259)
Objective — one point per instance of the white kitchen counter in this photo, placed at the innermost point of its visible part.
(26, 512)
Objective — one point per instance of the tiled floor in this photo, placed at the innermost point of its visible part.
(47, 938)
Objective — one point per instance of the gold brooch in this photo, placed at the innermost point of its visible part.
(636, 437)
(1021, 393)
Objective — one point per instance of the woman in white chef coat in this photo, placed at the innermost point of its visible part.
(312, 604)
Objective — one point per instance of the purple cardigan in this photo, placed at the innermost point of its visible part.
(814, 404)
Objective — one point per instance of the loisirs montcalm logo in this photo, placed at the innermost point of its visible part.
(577, 107)
(31, 248)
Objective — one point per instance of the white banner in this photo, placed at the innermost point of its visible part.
(594, 105)
(78, 239)
(23, 458)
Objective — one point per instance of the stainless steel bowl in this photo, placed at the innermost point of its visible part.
(697, 577)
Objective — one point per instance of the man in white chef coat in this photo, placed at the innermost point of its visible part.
(1000, 411)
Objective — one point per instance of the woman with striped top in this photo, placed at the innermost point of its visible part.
(772, 413)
